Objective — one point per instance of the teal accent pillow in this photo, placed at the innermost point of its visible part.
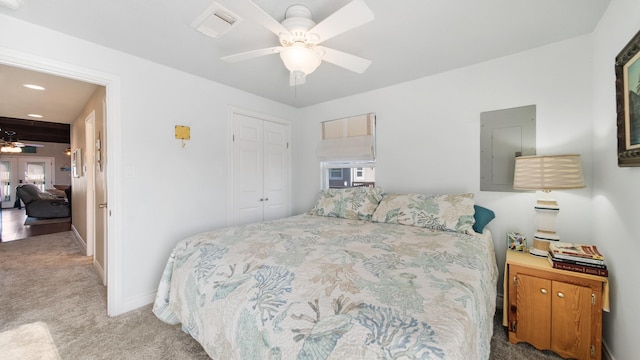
(482, 216)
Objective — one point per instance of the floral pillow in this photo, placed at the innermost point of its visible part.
(351, 203)
(447, 212)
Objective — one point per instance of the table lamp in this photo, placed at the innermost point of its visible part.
(546, 173)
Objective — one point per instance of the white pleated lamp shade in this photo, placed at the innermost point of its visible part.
(548, 173)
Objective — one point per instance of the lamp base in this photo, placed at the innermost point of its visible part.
(541, 245)
(546, 212)
(538, 252)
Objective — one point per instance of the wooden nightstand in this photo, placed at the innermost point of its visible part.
(553, 309)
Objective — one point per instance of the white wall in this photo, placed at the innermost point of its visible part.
(616, 193)
(164, 192)
(428, 140)
(428, 133)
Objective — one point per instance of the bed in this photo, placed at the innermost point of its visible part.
(363, 275)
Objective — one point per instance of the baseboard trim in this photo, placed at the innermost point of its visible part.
(79, 238)
(138, 301)
(606, 352)
(99, 270)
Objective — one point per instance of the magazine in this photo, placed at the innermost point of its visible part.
(575, 250)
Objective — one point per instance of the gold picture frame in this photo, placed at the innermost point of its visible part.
(627, 68)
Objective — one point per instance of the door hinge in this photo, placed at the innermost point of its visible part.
(513, 326)
(233, 137)
(287, 145)
(515, 281)
(593, 350)
(593, 299)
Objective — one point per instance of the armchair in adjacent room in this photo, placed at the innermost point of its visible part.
(40, 204)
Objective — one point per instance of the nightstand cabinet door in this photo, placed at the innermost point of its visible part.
(533, 304)
(554, 310)
(571, 320)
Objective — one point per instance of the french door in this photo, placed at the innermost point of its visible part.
(15, 171)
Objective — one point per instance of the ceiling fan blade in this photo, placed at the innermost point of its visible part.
(350, 16)
(251, 54)
(342, 59)
(251, 10)
(296, 79)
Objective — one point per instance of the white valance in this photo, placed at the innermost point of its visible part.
(348, 139)
(355, 148)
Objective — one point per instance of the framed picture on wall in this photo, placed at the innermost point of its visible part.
(628, 103)
(76, 163)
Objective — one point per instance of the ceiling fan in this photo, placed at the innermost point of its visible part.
(11, 146)
(300, 37)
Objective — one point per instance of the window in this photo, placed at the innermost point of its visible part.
(335, 174)
(347, 152)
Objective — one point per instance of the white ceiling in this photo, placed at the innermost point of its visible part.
(408, 39)
(60, 102)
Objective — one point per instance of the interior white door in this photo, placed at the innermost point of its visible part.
(261, 171)
(247, 169)
(100, 190)
(276, 171)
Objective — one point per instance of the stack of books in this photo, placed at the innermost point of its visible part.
(577, 257)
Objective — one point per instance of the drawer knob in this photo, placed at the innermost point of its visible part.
(560, 294)
(544, 291)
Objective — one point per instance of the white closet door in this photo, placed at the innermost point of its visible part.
(276, 171)
(261, 170)
(247, 170)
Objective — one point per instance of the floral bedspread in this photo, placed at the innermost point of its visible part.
(314, 287)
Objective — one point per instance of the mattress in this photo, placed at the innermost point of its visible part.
(317, 287)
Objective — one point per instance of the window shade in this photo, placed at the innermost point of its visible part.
(348, 139)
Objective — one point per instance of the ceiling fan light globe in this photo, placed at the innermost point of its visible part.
(300, 59)
(10, 149)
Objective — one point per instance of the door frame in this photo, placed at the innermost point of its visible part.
(112, 83)
(233, 110)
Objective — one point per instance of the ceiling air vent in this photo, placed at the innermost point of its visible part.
(215, 21)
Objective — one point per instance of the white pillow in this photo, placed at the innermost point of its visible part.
(448, 212)
(351, 203)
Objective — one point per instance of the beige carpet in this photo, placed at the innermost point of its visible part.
(45, 279)
(28, 342)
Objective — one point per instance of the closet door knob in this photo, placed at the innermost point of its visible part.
(543, 290)
(560, 294)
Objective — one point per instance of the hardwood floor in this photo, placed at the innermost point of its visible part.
(13, 227)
